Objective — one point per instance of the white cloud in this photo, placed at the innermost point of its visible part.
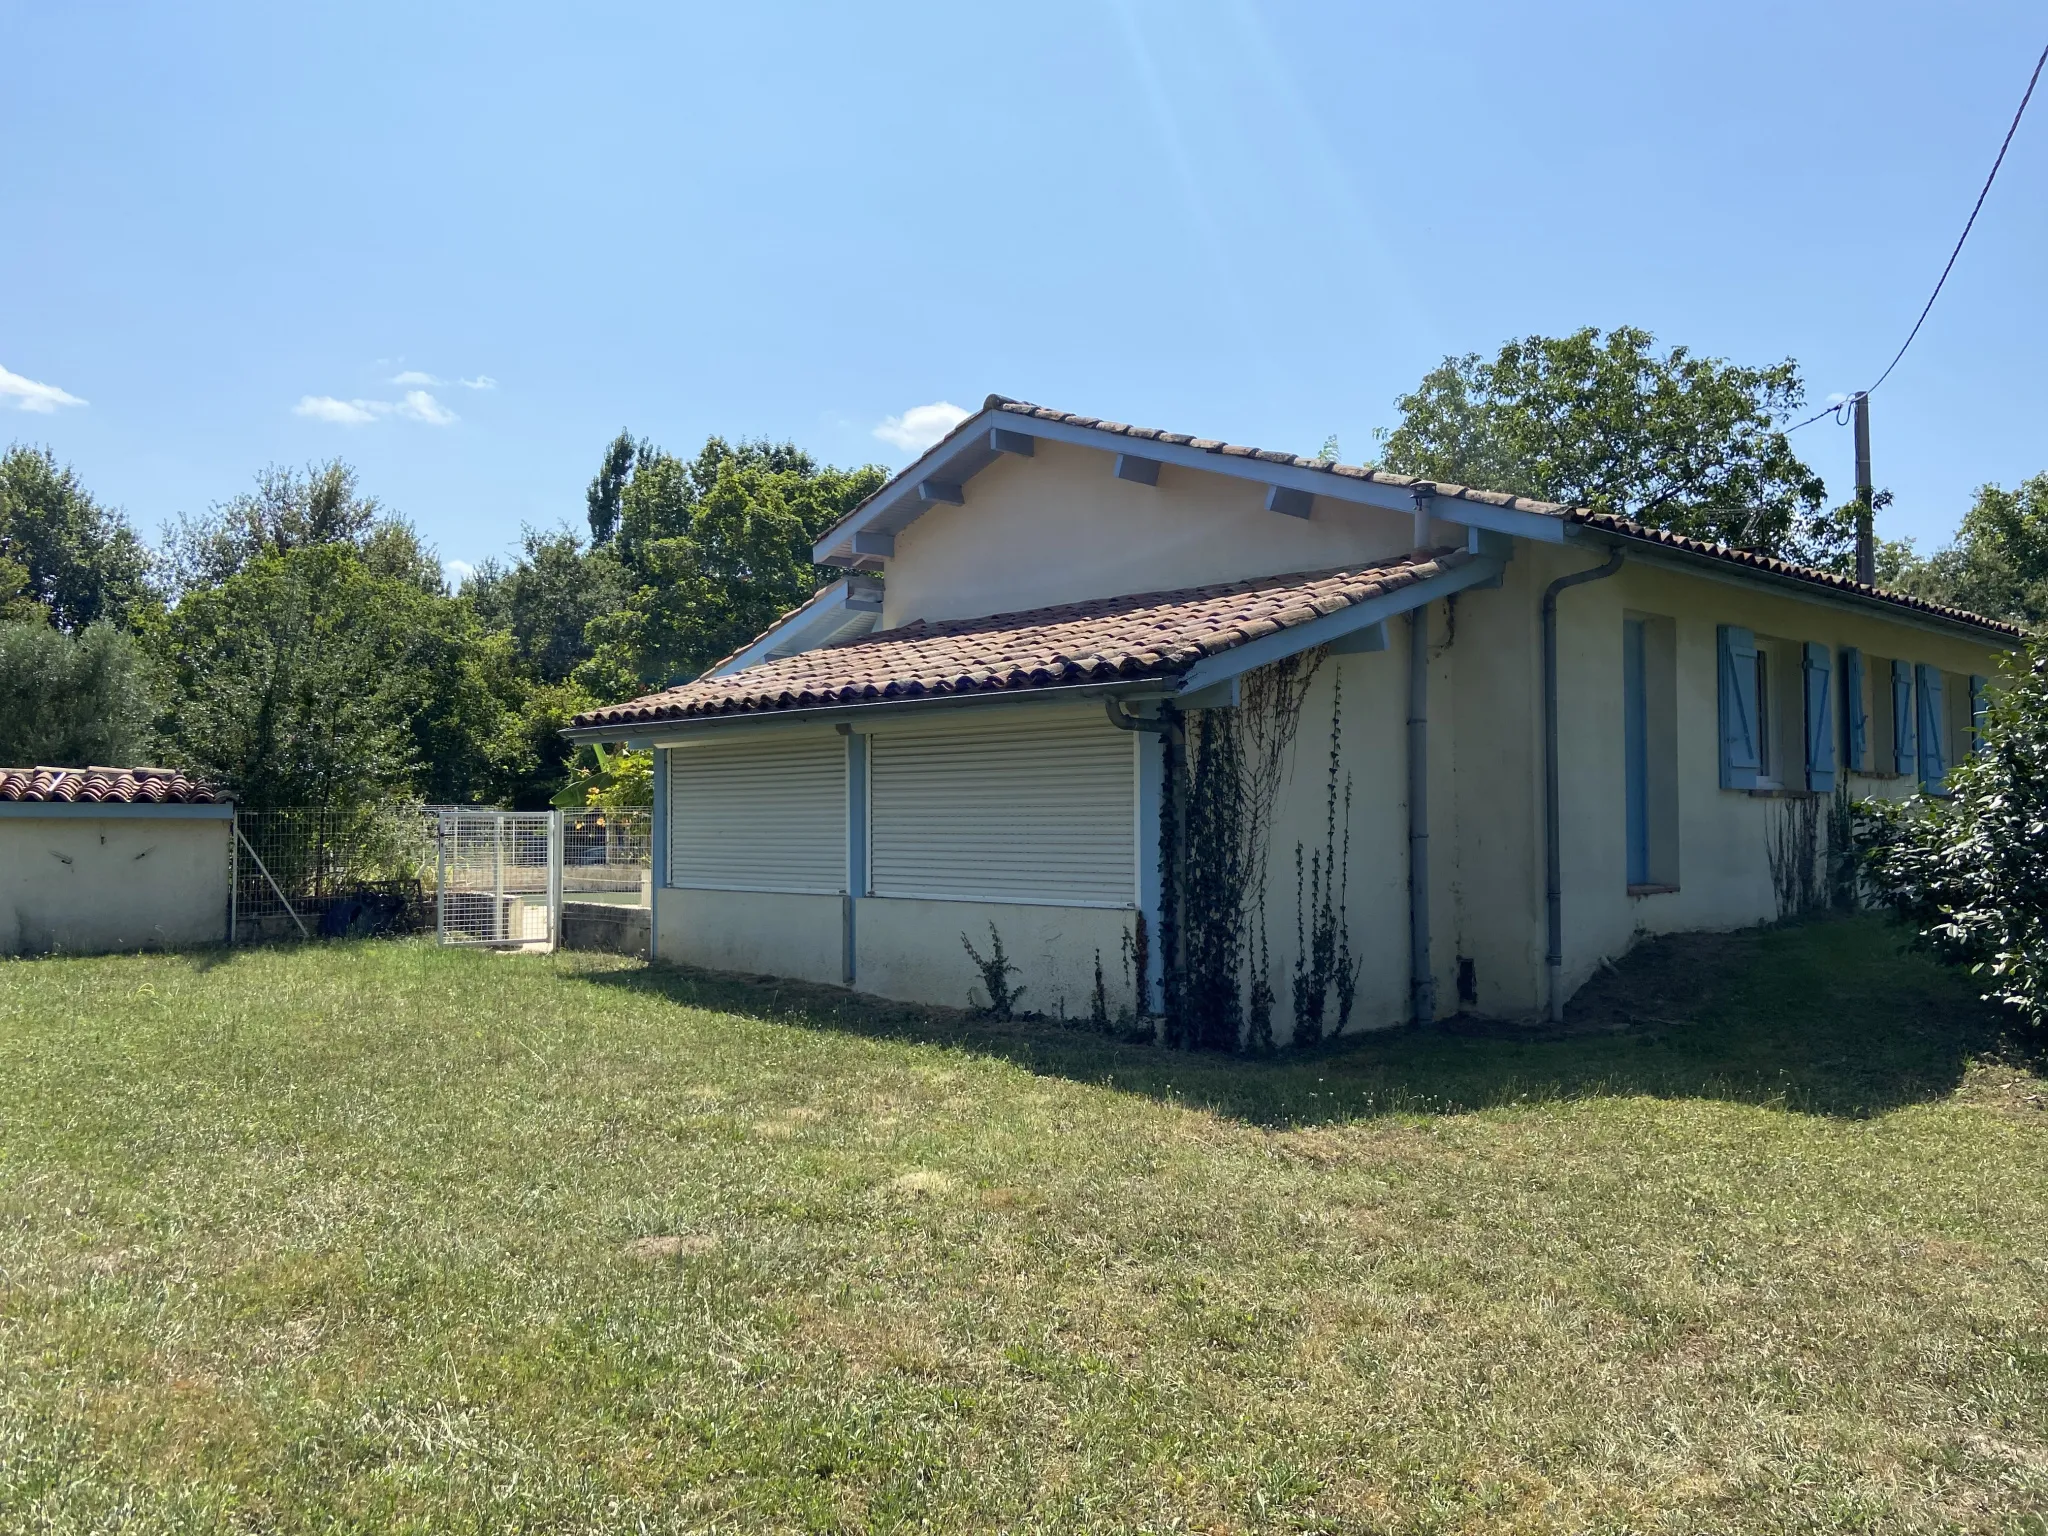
(414, 376)
(921, 426)
(457, 572)
(347, 413)
(28, 395)
(421, 406)
(481, 381)
(417, 405)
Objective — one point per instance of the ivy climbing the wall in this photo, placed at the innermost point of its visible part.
(1323, 961)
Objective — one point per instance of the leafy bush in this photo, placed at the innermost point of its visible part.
(1969, 868)
(70, 700)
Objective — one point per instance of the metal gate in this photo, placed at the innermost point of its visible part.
(498, 877)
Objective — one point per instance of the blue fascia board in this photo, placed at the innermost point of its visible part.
(1336, 626)
(120, 810)
(823, 614)
(966, 453)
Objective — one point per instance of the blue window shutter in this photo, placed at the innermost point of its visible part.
(1820, 718)
(1739, 762)
(1855, 723)
(1933, 766)
(1903, 755)
(1977, 704)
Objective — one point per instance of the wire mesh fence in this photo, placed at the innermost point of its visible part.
(495, 875)
(474, 874)
(332, 871)
(607, 855)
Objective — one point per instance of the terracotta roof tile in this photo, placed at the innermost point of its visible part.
(1572, 514)
(104, 786)
(1143, 635)
(1612, 524)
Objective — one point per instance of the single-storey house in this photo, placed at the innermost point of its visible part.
(1160, 711)
(100, 859)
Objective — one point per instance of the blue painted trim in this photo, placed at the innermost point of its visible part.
(856, 845)
(1819, 670)
(1635, 748)
(45, 809)
(883, 544)
(1855, 718)
(1905, 748)
(1735, 662)
(1371, 638)
(1136, 470)
(1003, 440)
(1933, 759)
(1288, 501)
(1151, 774)
(658, 850)
(1335, 626)
(948, 491)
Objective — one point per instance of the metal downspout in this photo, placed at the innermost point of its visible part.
(1421, 974)
(1553, 878)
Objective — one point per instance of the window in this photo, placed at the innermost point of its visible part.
(1034, 806)
(1649, 676)
(761, 812)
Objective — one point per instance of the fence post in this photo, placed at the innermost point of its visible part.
(555, 878)
(234, 872)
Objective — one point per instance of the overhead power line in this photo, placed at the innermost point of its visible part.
(1836, 410)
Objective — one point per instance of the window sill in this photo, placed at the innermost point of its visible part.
(1781, 792)
(1653, 890)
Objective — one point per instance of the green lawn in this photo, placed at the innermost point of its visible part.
(379, 1237)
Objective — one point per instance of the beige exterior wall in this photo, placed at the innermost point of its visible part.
(94, 885)
(1723, 836)
(911, 950)
(1059, 526)
(772, 932)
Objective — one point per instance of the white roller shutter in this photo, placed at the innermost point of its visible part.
(767, 814)
(1038, 807)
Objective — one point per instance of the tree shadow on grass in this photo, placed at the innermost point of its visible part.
(1833, 1017)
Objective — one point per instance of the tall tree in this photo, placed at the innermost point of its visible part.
(609, 487)
(1604, 421)
(288, 510)
(310, 678)
(546, 600)
(713, 551)
(70, 700)
(79, 560)
(1997, 564)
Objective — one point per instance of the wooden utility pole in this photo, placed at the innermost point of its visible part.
(1866, 533)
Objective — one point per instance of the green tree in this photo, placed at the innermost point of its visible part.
(70, 700)
(607, 490)
(1603, 421)
(81, 561)
(290, 510)
(309, 678)
(713, 551)
(1997, 564)
(546, 600)
(1970, 869)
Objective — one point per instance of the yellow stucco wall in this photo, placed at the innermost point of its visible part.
(911, 950)
(92, 884)
(1724, 877)
(1060, 526)
(780, 934)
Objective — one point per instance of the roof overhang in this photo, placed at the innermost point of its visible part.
(125, 810)
(842, 611)
(865, 538)
(1651, 551)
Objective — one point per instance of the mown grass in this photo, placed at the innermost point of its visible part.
(380, 1237)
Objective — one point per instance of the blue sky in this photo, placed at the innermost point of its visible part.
(244, 234)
